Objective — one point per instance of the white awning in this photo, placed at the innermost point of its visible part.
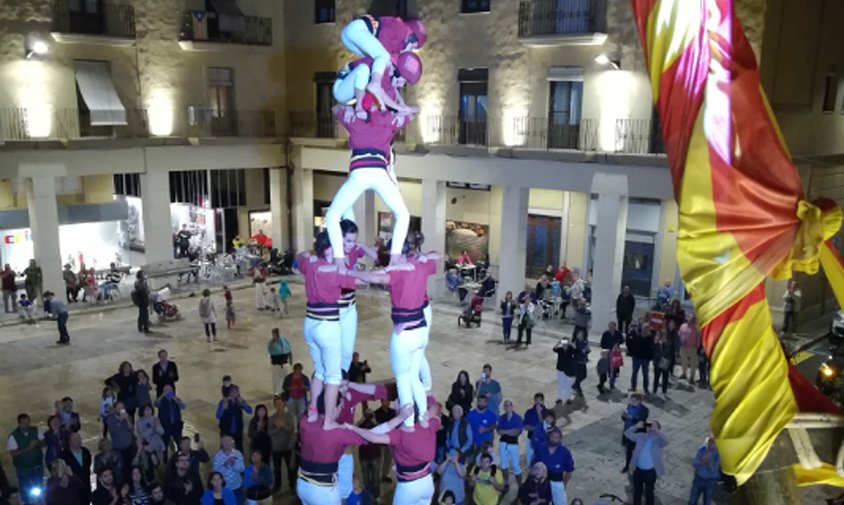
(97, 88)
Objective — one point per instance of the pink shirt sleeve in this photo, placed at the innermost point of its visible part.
(349, 437)
(429, 267)
(303, 263)
(347, 281)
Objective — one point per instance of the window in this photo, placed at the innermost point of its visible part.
(564, 105)
(379, 8)
(473, 106)
(127, 184)
(475, 6)
(324, 11)
(99, 105)
(221, 100)
(324, 102)
(830, 93)
(86, 16)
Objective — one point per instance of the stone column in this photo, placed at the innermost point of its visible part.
(278, 208)
(303, 209)
(433, 227)
(608, 255)
(44, 225)
(513, 240)
(155, 203)
(365, 218)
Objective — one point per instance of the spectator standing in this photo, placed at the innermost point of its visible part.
(647, 457)
(58, 310)
(663, 295)
(143, 395)
(280, 354)
(483, 422)
(33, 282)
(453, 475)
(689, 343)
(566, 369)
(106, 492)
(611, 340)
(259, 437)
(150, 432)
(229, 462)
(509, 428)
(125, 384)
(460, 434)
(662, 361)
(24, 446)
(707, 465)
(170, 409)
(582, 317)
(196, 457)
(295, 389)
(217, 493)
(790, 308)
(140, 297)
(358, 369)
(603, 370)
(462, 392)
(122, 435)
(107, 401)
(230, 416)
(71, 283)
(640, 347)
(636, 412)
(259, 279)
(208, 315)
(283, 438)
(581, 347)
(526, 322)
(164, 373)
(557, 459)
(490, 388)
(181, 485)
(536, 490)
(78, 460)
(54, 440)
(487, 481)
(10, 289)
(283, 295)
(625, 305)
(70, 419)
(533, 418)
(108, 458)
(508, 311)
(257, 478)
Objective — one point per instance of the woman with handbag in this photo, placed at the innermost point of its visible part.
(662, 361)
(280, 354)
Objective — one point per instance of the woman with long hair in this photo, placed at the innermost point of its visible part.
(259, 438)
(536, 489)
(462, 392)
(136, 491)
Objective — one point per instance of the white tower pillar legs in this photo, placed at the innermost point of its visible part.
(513, 239)
(433, 227)
(608, 256)
(44, 223)
(158, 231)
(278, 211)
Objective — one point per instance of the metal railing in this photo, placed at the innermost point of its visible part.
(227, 29)
(562, 17)
(111, 20)
(452, 130)
(543, 133)
(202, 122)
(638, 136)
(309, 124)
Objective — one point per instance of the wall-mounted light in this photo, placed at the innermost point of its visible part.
(604, 59)
(34, 45)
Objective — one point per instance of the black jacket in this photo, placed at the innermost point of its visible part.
(640, 346)
(567, 360)
(161, 378)
(625, 305)
(174, 488)
(461, 395)
(611, 339)
(83, 472)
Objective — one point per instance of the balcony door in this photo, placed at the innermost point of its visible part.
(221, 95)
(86, 16)
(473, 106)
(564, 109)
(324, 103)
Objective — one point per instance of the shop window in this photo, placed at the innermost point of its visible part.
(473, 106)
(469, 6)
(324, 11)
(830, 93)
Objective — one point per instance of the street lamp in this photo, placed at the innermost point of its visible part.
(35, 46)
(603, 59)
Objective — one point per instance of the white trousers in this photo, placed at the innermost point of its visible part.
(558, 493)
(345, 475)
(278, 378)
(311, 494)
(323, 339)
(358, 39)
(564, 383)
(509, 455)
(349, 332)
(425, 367)
(344, 89)
(359, 181)
(260, 301)
(407, 352)
(417, 492)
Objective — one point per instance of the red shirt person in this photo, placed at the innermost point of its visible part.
(321, 450)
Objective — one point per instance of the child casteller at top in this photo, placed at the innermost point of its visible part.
(380, 39)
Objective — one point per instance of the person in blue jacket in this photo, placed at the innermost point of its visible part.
(258, 477)
(217, 491)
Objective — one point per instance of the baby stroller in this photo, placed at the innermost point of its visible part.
(166, 311)
(473, 313)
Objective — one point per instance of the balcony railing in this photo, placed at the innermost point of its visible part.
(226, 29)
(542, 133)
(561, 17)
(638, 136)
(452, 130)
(203, 122)
(309, 124)
(106, 19)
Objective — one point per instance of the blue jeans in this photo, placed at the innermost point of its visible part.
(29, 478)
(705, 487)
(62, 323)
(639, 363)
(507, 323)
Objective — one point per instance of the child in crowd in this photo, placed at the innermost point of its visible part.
(227, 293)
(283, 295)
(603, 370)
(26, 310)
(106, 404)
(227, 385)
(230, 315)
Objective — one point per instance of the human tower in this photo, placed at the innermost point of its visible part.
(371, 108)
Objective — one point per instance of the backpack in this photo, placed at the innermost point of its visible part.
(205, 307)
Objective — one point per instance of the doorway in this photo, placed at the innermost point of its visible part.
(637, 271)
(543, 247)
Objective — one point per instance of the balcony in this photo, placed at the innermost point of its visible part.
(311, 125)
(545, 134)
(545, 23)
(210, 31)
(204, 123)
(93, 22)
(638, 136)
(452, 130)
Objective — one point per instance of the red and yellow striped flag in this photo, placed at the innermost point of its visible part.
(742, 217)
